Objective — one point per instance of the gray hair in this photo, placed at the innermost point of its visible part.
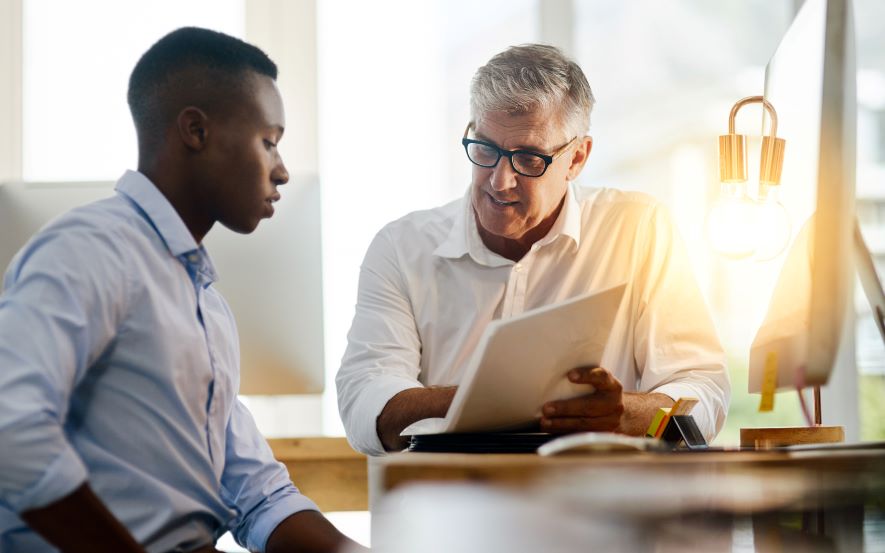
(530, 77)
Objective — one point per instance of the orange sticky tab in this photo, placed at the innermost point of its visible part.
(683, 406)
(656, 422)
(769, 382)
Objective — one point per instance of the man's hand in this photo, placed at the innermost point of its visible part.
(81, 522)
(607, 409)
(308, 532)
(410, 406)
(600, 410)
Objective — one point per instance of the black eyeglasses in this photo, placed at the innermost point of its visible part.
(524, 162)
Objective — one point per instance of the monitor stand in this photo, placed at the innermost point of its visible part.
(761, 438)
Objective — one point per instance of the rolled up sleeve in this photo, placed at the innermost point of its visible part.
(383, 353)
(677, 349)
(255, 485)
(58, 312)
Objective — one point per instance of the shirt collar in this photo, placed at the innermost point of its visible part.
(162, 216)
(463, 238)
(455, 244)
(568, 223)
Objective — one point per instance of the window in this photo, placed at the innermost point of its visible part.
(664, 75)
(869, 17)
(76, 67)
(394, 72)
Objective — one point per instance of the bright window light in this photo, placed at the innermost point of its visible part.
(77, 61)
(394, 77)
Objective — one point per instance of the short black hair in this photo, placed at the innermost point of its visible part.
(190, 66)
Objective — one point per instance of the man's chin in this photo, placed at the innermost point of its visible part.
(501, 229)
(496, 237)
(241, 227)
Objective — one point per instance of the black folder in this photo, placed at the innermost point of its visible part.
(480, 442)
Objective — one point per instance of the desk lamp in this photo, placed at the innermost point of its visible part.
(739, 225)
(742, 226)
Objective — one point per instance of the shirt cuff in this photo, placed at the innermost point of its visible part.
(364, 417)
(64, 475)
(268, 519)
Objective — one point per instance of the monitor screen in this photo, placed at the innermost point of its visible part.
(810, 81)
(272, 278)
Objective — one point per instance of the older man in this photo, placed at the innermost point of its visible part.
(522, 237)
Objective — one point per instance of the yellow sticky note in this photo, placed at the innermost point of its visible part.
(657, 422)
(769, 382)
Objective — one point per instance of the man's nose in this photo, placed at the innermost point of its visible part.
(503, 176)
(279, 175)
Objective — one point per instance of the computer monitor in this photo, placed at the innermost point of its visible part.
(810, 81)
(272, 278)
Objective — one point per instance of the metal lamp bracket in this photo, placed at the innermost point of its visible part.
(733, 149)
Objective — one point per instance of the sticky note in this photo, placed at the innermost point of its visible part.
(769, 382)
(657, 422)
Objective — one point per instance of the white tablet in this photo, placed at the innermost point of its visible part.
(521, 363)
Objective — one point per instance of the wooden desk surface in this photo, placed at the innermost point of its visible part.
(825, 500)
(326, 470)
(401, 468)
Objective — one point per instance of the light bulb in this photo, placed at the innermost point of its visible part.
(731, 225)
(772, 223)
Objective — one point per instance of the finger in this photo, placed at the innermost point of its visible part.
(562, 425)
(595, 405)
(600, 378)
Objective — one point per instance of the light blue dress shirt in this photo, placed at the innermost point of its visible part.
(119, 364)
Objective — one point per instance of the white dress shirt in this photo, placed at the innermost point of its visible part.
(429, 287)
(119, 365)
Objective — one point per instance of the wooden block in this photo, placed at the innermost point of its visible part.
(762, 438)
(683, 406)
(326, 470)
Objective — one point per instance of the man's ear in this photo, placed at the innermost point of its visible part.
(193, 128)
(579, 157)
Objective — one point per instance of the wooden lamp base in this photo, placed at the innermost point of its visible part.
(763, 438)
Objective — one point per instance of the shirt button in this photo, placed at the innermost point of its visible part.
(193, 258)
(517, 267)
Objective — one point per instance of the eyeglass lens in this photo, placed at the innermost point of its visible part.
(486, 156)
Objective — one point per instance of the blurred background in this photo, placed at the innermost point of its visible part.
(377, 99)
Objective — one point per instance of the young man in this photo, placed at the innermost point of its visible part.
(523, 237)
(119, 421)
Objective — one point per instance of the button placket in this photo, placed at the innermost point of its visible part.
(507, 308)
(212, 401)
(521, 272)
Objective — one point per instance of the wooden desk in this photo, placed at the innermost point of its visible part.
(402, 468)
(326, 470)
(805, 500)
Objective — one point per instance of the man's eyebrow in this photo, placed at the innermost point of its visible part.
(279, 129)
(536, 149)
